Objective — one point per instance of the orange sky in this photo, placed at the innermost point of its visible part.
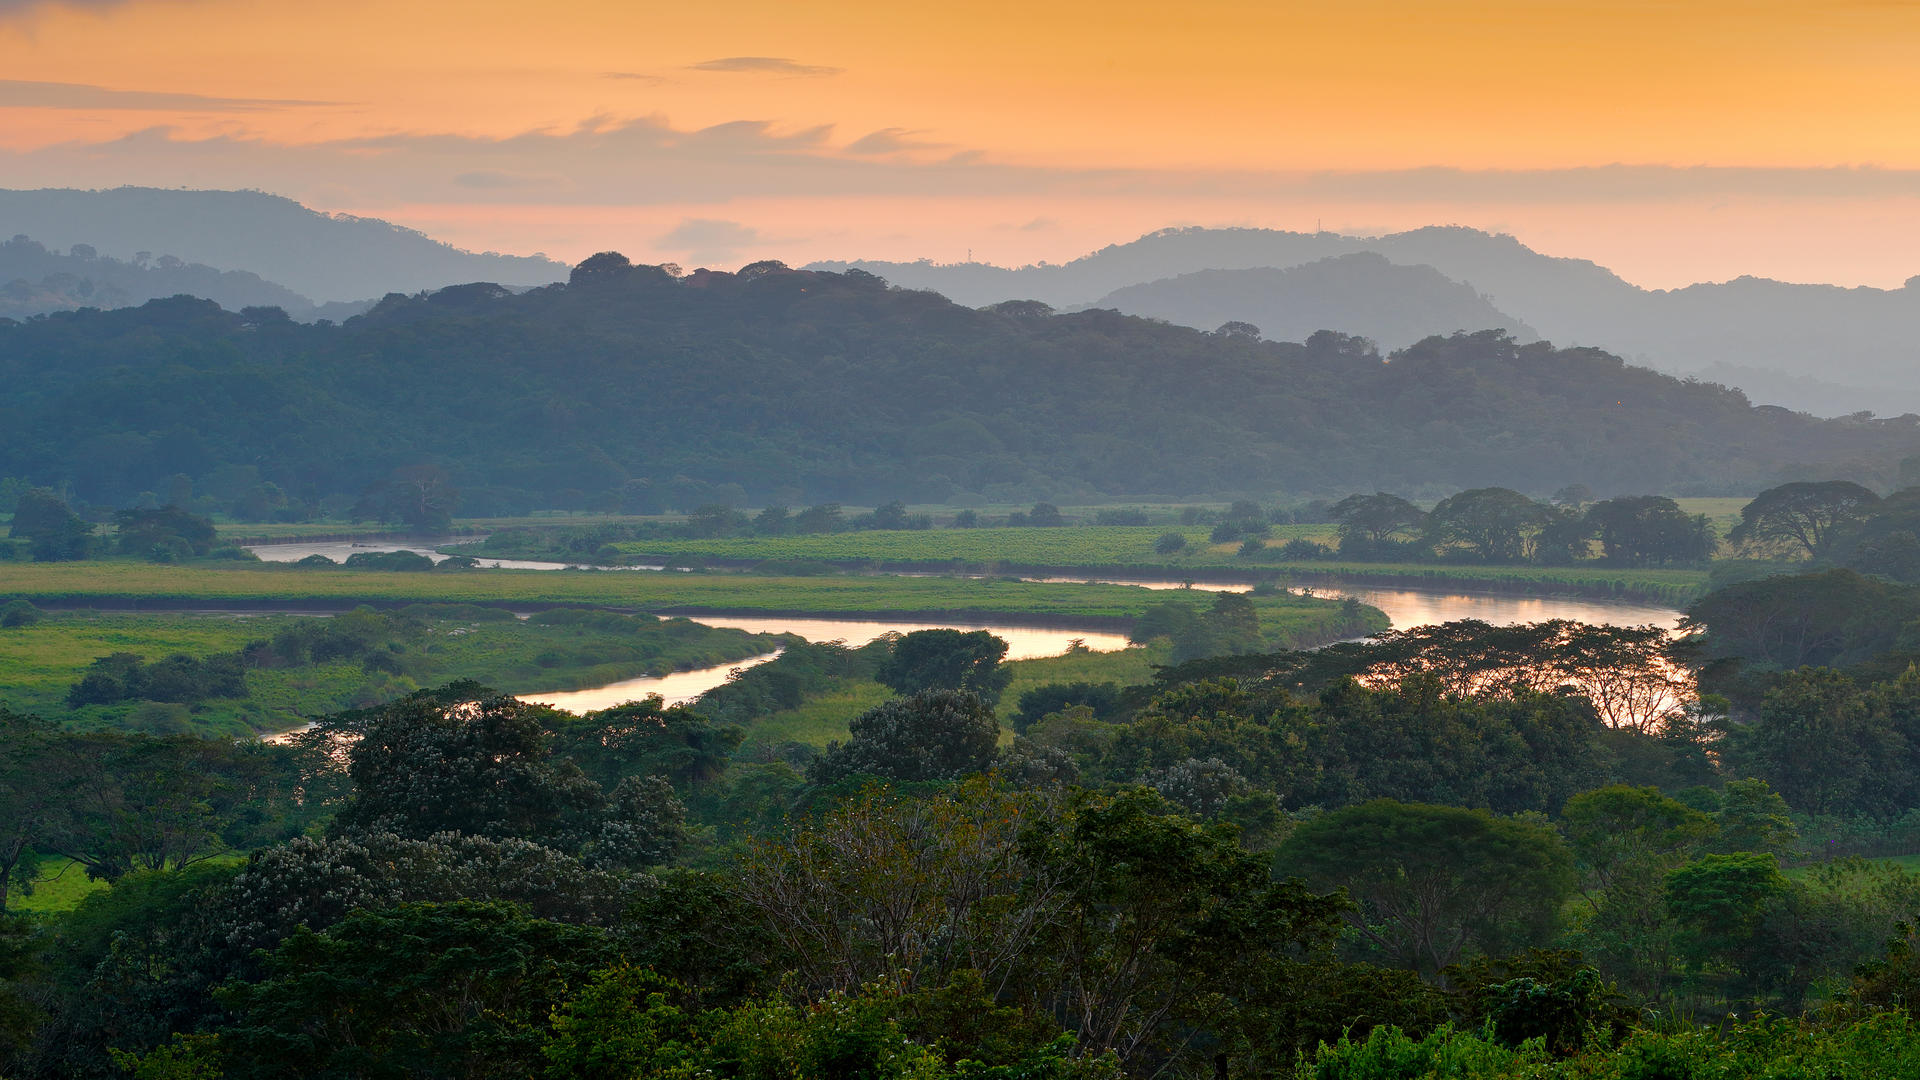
(1022, 130)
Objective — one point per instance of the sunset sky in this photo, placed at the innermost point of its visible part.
(1673, 142)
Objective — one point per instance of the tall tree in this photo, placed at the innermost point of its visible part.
(947, 659)
(32, 791)
(1371, 520)
(1497, 524)
(1651, 530)
(1805, 515)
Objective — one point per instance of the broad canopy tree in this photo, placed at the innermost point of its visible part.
(1804, 516)
(1496, 524)
(946, 659)
(1371, 520)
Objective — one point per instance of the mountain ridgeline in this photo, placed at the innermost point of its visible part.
(630, 387)
(35, 280)
(1362, 294)
(1820, 348)
(322, 257)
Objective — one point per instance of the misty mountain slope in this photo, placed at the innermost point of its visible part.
(34, 280)
(1865, 335)
(1500, 266)
(806, 387)
(1361, 294)
(1815, 347)
(320, 256)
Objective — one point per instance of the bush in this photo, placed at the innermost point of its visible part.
(18, 613)
(401, 561)
(1302, 548)
(1169, 543)
(1102, 698)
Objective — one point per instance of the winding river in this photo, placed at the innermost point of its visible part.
(1404, 606)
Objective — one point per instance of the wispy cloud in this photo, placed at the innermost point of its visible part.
(766, 65)
(634, 76)
(649, 162)
(23, 94)
(890, 141)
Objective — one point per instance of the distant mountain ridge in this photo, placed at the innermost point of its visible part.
(1821, 348)
(322, 257)
(35, 281)
(1361, 294)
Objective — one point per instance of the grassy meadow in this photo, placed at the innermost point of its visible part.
(262, 584)
(1130, 550)
(43, 660)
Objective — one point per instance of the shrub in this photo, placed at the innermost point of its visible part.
(18, 613)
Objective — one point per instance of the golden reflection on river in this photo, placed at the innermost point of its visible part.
(1408, 608)
(1023, 643)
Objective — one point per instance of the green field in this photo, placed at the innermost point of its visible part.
(60, 886)
(1129, 550)
(78, 583)
(43, 660)
(1085, 545)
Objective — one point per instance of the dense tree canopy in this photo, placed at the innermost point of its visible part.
(795, 387)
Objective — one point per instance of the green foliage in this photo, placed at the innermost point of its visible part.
(933, 735)
(1836, 617)
(1230, 626)
(163, 535)
(945, 659)
(1651, 530)
(1495, 524)
(1723, 894)
(856, 376)
(52, 531)
(1804, 517)
(630, 1022)
(1762, 1049)
(293, 668)
(1434, 884)
(1369, 522)
(187, 1057)
(18, 613)
(419, 989)
(1102, 698)
(426, 765)
(392, 561)
(1351, 744)
(177, 678)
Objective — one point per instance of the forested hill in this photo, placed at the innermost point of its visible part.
(803, 387)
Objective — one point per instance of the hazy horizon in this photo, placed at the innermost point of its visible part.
(1689, 143)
